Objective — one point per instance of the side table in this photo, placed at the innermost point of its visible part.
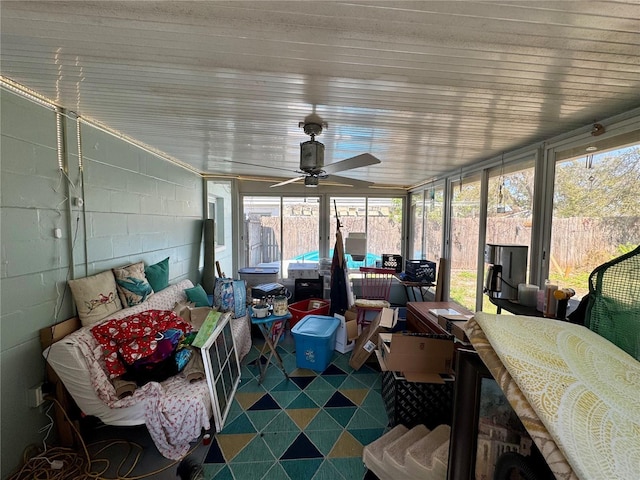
(272, 328)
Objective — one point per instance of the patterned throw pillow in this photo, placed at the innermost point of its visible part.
(96, 297)
(132, 284)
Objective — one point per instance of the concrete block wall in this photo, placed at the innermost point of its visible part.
(135, 206)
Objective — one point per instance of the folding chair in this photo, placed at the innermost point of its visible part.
(376, 288)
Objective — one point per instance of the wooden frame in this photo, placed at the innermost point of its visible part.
(65, 404)
(222, 369)
(469, 435)
(464, 429)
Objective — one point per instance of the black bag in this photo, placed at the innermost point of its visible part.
(143, 373)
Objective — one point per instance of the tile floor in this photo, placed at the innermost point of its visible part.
(312, 426)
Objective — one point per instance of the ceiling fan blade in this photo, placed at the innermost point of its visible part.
(271, 167)
(362, 160)
(291, 180)
(347, 181)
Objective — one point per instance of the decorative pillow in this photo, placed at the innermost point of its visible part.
(197, 295)
(230, 296)
(96, 297)
(158, 275)
(132, 284)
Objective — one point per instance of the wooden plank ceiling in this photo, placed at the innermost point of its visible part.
(426, 86)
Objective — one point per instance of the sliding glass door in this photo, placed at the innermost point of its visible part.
(465, 236)
(596, 213)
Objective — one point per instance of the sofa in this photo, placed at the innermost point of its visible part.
(176, 410)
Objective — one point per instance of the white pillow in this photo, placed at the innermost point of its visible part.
(96, 297)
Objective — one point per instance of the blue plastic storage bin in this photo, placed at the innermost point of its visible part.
(315, 338)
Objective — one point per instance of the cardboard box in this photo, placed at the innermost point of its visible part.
(454, 325)
(388, 318)
(346, 335)
(425, 358)
(368, 340)
(351, 314)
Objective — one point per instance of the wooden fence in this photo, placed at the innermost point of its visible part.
(302, 235)
(577, 242)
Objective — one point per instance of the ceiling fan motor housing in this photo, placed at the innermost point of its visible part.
(311, 156)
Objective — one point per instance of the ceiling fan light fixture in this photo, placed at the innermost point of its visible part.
(311, 181)
(312, 168)
(311, 156)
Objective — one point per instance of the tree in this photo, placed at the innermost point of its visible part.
(606, 186)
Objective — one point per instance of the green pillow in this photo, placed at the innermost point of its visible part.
(158, 275)
(198, 296)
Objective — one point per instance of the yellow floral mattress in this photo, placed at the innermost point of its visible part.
(577, 394)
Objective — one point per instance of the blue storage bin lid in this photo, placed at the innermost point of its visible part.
(255, 270)
(319, 326)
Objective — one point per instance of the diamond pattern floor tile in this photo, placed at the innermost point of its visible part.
(301, 447)
(312, 426)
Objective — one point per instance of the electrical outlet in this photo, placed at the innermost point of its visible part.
(36, 397)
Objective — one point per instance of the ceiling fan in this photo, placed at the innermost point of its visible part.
(312, 167)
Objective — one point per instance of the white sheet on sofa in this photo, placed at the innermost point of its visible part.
(68, 361)
(175, 411)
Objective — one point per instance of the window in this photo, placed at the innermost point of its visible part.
(380, 219)
(596, 213)
(301, 230)
(219, 209)
(222, 368)
(465, 223)
(216, 211)
(433, 232)
(281, 230)
(262, 231)
(416, 227)
(426, 228)
(510, 210)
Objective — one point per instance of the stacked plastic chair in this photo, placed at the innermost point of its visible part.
(613, 310)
